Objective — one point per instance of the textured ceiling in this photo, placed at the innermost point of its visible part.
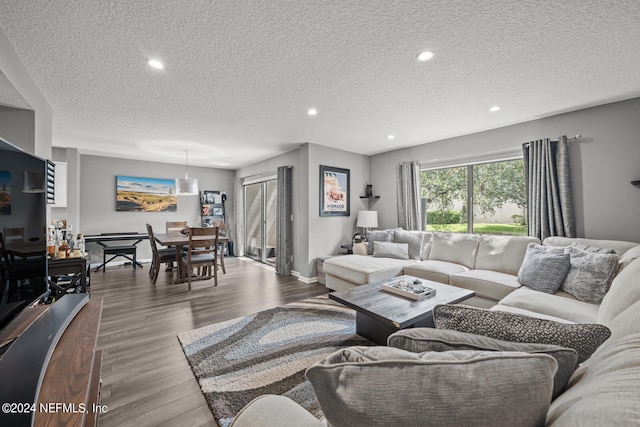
(240, 75)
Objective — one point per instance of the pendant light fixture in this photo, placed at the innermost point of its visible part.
(186, 186)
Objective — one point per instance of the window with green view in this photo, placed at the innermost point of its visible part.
(487, 198)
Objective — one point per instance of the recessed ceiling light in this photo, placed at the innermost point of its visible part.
(390, 137)
(156, 64)
(312, 112)
(495, 108)
(425, 56)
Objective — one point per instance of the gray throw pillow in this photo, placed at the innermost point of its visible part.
(375, 386)
(390, 250)
(378, 236)
(418, 340)
(583, 247)
(584, 338)
(544, 268)
(415, 240)
(590, 274)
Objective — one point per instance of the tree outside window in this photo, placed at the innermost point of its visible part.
(488, 198)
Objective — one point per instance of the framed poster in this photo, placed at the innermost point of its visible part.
(135, 194)
(334, 191)
(5, 193)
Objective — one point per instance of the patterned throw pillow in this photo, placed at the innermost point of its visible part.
(380, 236)
(544, 268)
(584, 338)
(419, 340)
(372, 386)
(590, 274)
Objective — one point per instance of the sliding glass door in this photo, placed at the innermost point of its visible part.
(260, 220)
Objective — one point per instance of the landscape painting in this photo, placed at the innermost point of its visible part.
(135, 194)
(5, 193)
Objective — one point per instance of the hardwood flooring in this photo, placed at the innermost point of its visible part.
(146, 380)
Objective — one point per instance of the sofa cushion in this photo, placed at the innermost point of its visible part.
(502, 253)
(418, 340)
(390, 250)
(454, 247)
(488, 284)
(417, 241)
(590, 274)
(604, 389)
(438, 271)
(584, 338)
(619, 246)
(543, 269)
(564, 307)
(628, 257)
(378, 236)
(360, 269)
(359, 386)
(509, 309)
(624, 291)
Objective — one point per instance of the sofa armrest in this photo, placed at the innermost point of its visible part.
(271, 410)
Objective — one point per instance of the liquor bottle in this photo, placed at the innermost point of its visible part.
(51, 246)
(63, 250)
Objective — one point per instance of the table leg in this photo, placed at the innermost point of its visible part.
(179, 279)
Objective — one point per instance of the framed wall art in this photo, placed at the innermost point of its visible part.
(334, 191)
(134, 194)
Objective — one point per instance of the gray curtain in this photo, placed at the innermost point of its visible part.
(284, 239)
(408, 189)
(550, 209)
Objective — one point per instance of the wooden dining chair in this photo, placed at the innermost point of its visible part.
(222, 227)
(12, 235)
(175, 226)
(159, 256)
(202, 253)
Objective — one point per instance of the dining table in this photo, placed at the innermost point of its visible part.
(178, 240)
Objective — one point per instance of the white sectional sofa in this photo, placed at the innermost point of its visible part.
(486, 264)
(604, 390)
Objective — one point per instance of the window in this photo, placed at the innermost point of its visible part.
(487, 198)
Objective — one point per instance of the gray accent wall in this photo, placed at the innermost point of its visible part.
(98, 197)
(314, 235)
(603, 164)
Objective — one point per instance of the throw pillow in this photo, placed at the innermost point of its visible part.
(415, 240)
(418, 340)
(584, 247)
(372, 386)
(390, 250)
(544, 268)
(590, 274)
(584, 338)
(380, 236)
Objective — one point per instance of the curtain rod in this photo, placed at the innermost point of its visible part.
(577, 137)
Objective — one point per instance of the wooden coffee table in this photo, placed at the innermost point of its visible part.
(380, 313)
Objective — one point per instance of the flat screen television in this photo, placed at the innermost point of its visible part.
(23, 226)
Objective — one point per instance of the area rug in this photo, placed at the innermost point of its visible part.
(267, 353)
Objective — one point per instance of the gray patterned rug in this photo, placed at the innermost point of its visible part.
(267, 353)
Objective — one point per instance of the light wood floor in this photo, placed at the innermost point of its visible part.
(145, 375)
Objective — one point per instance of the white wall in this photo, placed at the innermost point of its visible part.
(98, 196)
(602, 164)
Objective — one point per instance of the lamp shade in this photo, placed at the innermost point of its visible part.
(186, 186)
(367, 219)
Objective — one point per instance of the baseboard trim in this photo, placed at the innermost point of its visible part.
(304, 279)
